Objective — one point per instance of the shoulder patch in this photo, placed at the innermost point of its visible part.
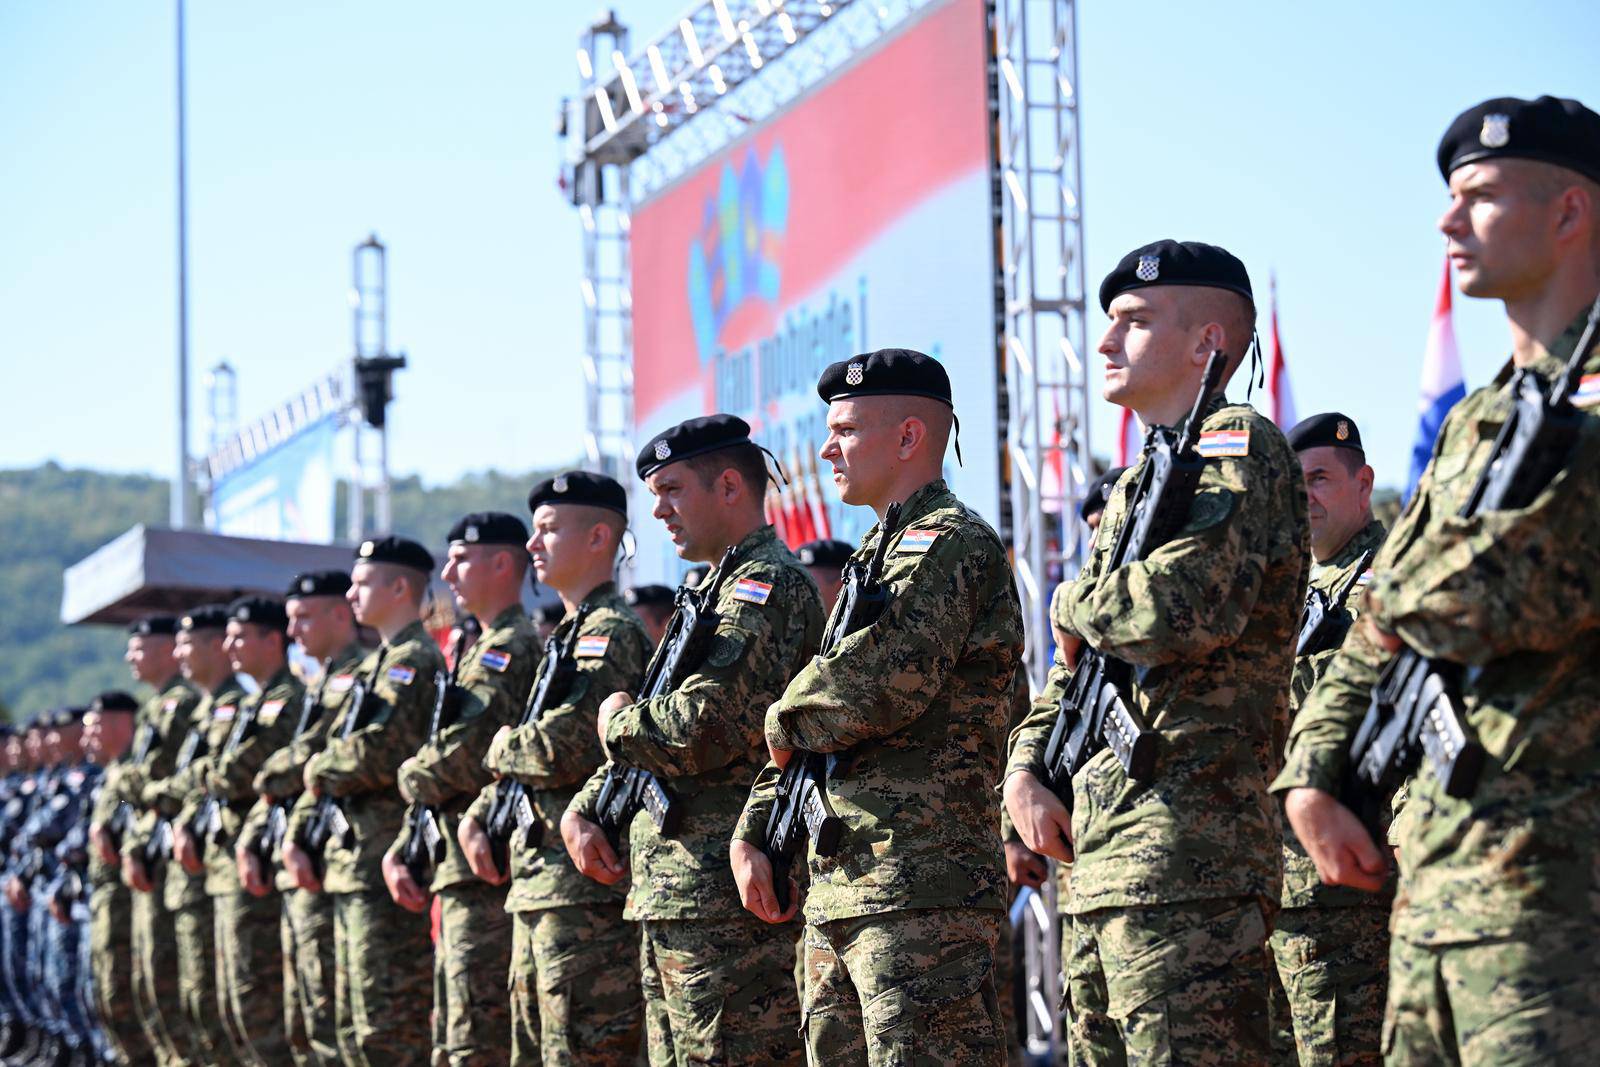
(403, 675)
(1215, 444)
(591, 646)
(268, 713)
(339, 683)
(726, 648)
(1209, 509)
(1587, 394)
(751, 591)
(917, 540)
(224, 712)
(496, 659)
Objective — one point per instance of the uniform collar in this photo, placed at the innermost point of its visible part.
(411, 631)
(930, 497)
(282, 676)
(1369, 536)
(1551, 362)
(509, 617)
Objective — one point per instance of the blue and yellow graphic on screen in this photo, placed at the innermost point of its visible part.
(735, 256)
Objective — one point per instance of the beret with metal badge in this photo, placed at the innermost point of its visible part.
(400, 551)
(693, 437)
(581, 487)
(1550, 129)
(1176, 263)
(1328, 430)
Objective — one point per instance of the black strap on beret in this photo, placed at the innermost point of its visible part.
(1551, 130)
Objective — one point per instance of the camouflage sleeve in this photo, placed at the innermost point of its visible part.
(107, 797)
(452, 764)
(300, 816)
(1196, 592)
(169, 795)
(255, 821)
(232, 773)
(713, 718)
(562, 747)
(478, 810)
(370, 757)
(1319, 737)
(881, 678)
(752, 822)
(584, 804)
(280, 772)
(1025, 749)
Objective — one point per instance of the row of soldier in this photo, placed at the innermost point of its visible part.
(592, 828)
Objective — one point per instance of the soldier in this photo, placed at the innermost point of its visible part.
(163, 723)
(321, 622)
(1330, 944)
(903, 921)
(717, 983)
(653, 604)
(824, 560)
(574, 960)
(13, 772)
(486, 569)
(30, 794)
(205, 663)
(1494, 931)
(1174, 880)
(109, 732)
(382, 951)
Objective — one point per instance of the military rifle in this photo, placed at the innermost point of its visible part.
(158, 849)
(328, 822)
(122, 817)
(1096, 711)
(1416, 708)
(206, 826)
(1324, 622)
(423, 848)
(269, 841)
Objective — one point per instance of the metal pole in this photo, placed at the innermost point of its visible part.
(180, 481)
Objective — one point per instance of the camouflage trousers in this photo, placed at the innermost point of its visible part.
(197, 984)
(1167, 984)
(471, 1013)
(306, 936)
(111, 956)
(382, 990)
(575, 988)
(1511, 1003)
(719, 992)
(250, 977)
(904, 988)
(155, 981)
(1330, 971)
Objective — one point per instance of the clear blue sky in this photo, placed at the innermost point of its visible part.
(1300, 136)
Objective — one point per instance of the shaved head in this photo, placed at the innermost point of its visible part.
(1200, 306)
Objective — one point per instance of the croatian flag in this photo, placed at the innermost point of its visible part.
(1280, 398)
(1130, 438)
(1442, 384)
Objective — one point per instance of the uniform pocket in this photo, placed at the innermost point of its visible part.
(958, 995)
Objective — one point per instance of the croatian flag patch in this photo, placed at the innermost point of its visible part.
(340, 682)
(1361, 582)
(403, 675)
(223, 712)
(592, 647)
(751, 591)
(497, 659)
(269, 712)
(1217, 443)
(917, 540)
(1587, 394)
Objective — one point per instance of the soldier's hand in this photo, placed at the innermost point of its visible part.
(250, 873)
(15, 894)
(612, 704)
(1025, 866)
(1381, 637)
(591, 853)
(1335, 839)
(134, 876)
(475, 847)
(780, 756)
(185, 851)
(101, 838)
(753, 873)
(300, 868)
(1041, 819)
(1068, 644)
(402, 887)
(58, 913)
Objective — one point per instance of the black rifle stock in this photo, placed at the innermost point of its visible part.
(1416, 708)
(328, 822)
(122, 817)
(1096, 711)
(206, 827)
(511, 810)
(802, 810)
(424, 848)
(625, 790)
(1323, 622)
(269, 842)
(158, 849)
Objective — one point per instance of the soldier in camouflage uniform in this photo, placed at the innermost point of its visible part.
(1175, 880)
(574, 959)
(1330, 945)
(903, 922)
(718, 984)
(486, 570)
(383, 952)
(205, 663)
(163, 725)
(320, 620)
(1494, 932)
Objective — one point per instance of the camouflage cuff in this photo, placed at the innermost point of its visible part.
(1307, 768)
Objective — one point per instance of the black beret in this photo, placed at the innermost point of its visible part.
(1098, 494)
(886, 372)
(826, 553)
(1329, 430)
(114, 700)
(318, 583)
(550, 614)
(259, 611)
(580, 487)
(658, 596)
(695, 437)
(1549, 129)
(489, 528)
(161, 625)
(695, 575)
(69, 716)
(204, 617)
(400, 551)
(7, 730)
(1176, 263)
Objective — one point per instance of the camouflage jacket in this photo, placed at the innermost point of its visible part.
(1301, 886)
(361, 769)
(1511, 594)
(282, 776)
(268, 719)
(494, 676)
(918, 703)
(556, 754)
(704, 739)
(1208, 622)
(159, 729)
